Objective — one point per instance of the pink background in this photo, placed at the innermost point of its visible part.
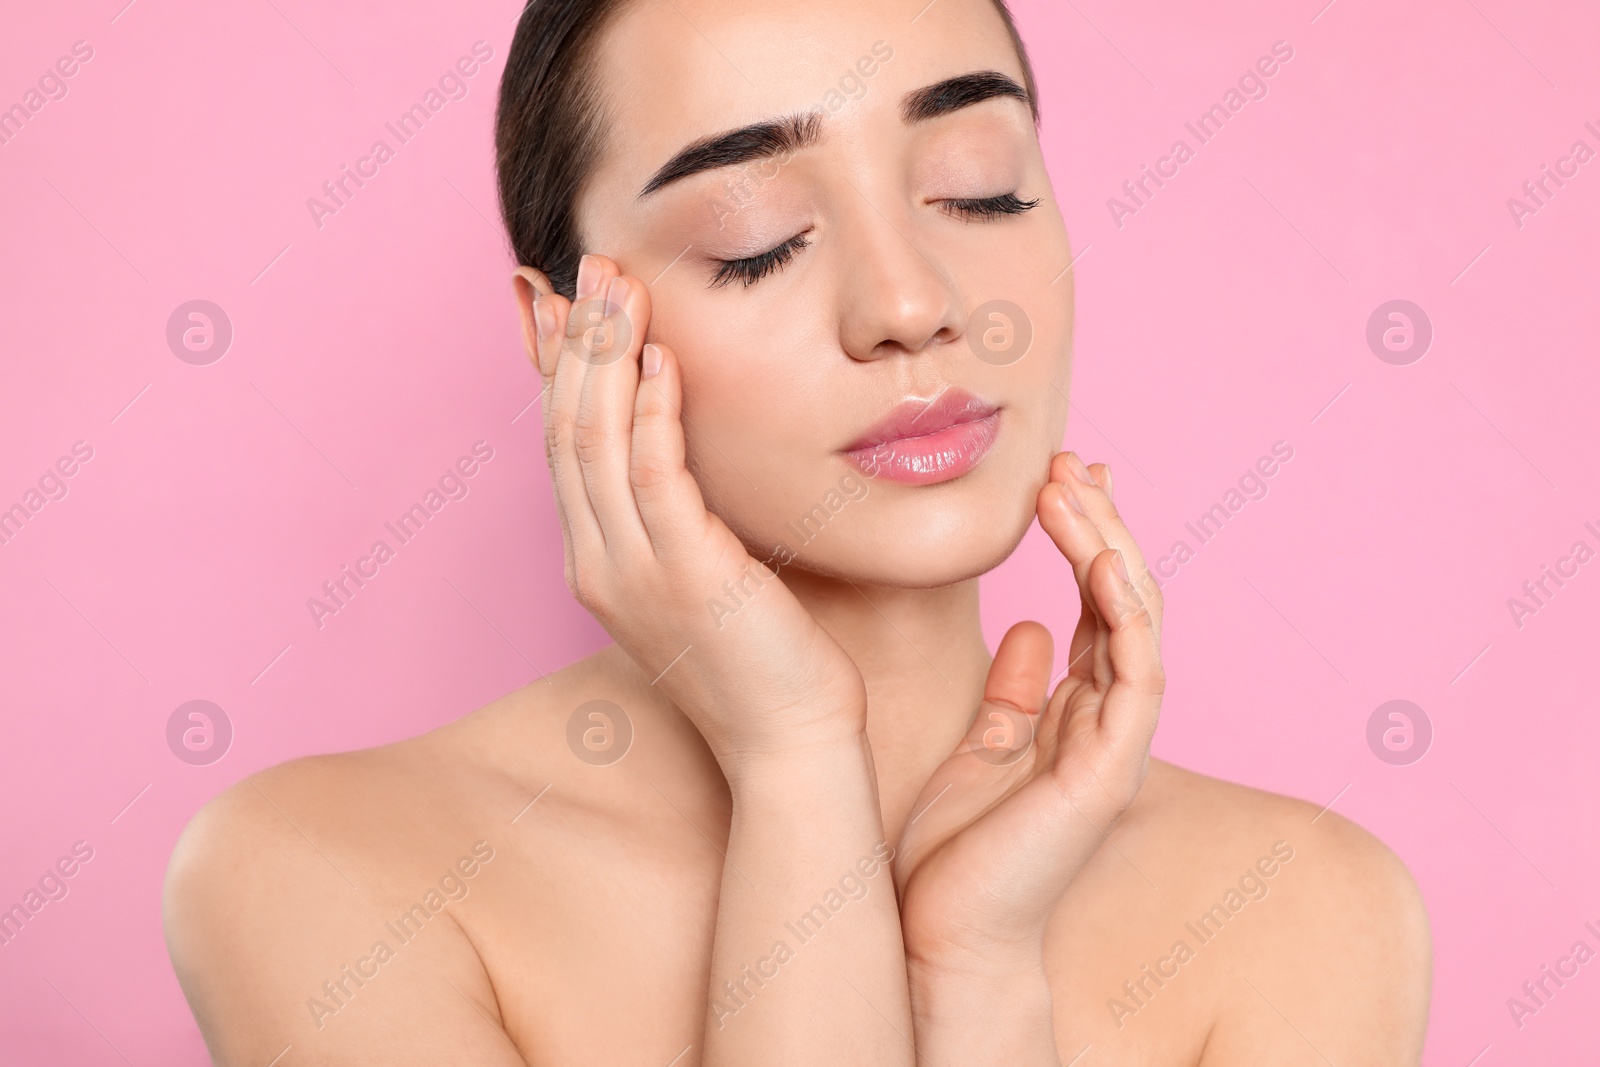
(1225, 315)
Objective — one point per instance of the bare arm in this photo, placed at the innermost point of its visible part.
(807, 963)
(1029, 796)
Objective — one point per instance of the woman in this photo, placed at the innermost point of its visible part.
(797, 813)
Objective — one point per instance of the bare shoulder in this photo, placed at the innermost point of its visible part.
(290, 896)
(1314, 931)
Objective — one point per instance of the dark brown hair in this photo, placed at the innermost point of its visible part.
(548, 127)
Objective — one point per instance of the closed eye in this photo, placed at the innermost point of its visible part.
(755, 268)
(989, 207)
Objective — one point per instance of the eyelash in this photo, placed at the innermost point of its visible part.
(991, 207)
(755, 268)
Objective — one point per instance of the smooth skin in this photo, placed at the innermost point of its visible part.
(847, 712)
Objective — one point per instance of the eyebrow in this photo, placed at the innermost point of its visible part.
(785, 136)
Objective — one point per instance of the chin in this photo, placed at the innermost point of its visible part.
(924, 537)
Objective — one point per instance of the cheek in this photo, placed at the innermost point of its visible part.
(1034, 278)
(756, 420)
(1039, 384)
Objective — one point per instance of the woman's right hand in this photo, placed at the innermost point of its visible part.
(646, 557)
(781, 705)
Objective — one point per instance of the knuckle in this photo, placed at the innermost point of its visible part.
(650, 475)
(1150, 685)
(590, 438)
(649, 405)
(586, 589)
(559, 434)
(1135, 616)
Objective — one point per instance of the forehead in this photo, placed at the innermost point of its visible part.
(673, 71)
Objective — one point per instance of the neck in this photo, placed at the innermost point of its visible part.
(922, 655)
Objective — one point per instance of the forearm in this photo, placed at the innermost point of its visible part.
(979, 1019)
(807, 965)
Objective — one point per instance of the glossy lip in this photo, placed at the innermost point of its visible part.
(924, 442)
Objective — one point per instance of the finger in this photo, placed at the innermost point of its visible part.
(1079, 662)
(1119, 537)
(550, 312)
(580, 529)
(990, 760)
(1020, 677)
(609, 348)
(1020, 671)
(1133, 701)
(1069, 527)
(541, 332)
(1097, 503)
(1063, 517)
(541, 337)
(1014, 694)
(668, 497)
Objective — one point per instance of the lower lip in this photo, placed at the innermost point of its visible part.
(938, 457)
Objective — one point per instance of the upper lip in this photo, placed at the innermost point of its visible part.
(916, 417)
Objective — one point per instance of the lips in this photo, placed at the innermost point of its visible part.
(921, 442)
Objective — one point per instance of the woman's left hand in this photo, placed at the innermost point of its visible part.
(1030, 794)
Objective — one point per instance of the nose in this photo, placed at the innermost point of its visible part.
(899, 298)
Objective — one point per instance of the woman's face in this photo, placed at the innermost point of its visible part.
(875, 297)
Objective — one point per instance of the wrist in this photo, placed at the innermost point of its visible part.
(983, 1017)
(1011, 953)
(988, 976)
(799, 763)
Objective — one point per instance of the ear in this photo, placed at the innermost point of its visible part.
(528, 283)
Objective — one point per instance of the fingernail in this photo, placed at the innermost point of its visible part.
(1110, 490)
(1076, 466)
(544, 318)
(588, 277)
(616, 292)
(652, 361)
(1122, 568)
